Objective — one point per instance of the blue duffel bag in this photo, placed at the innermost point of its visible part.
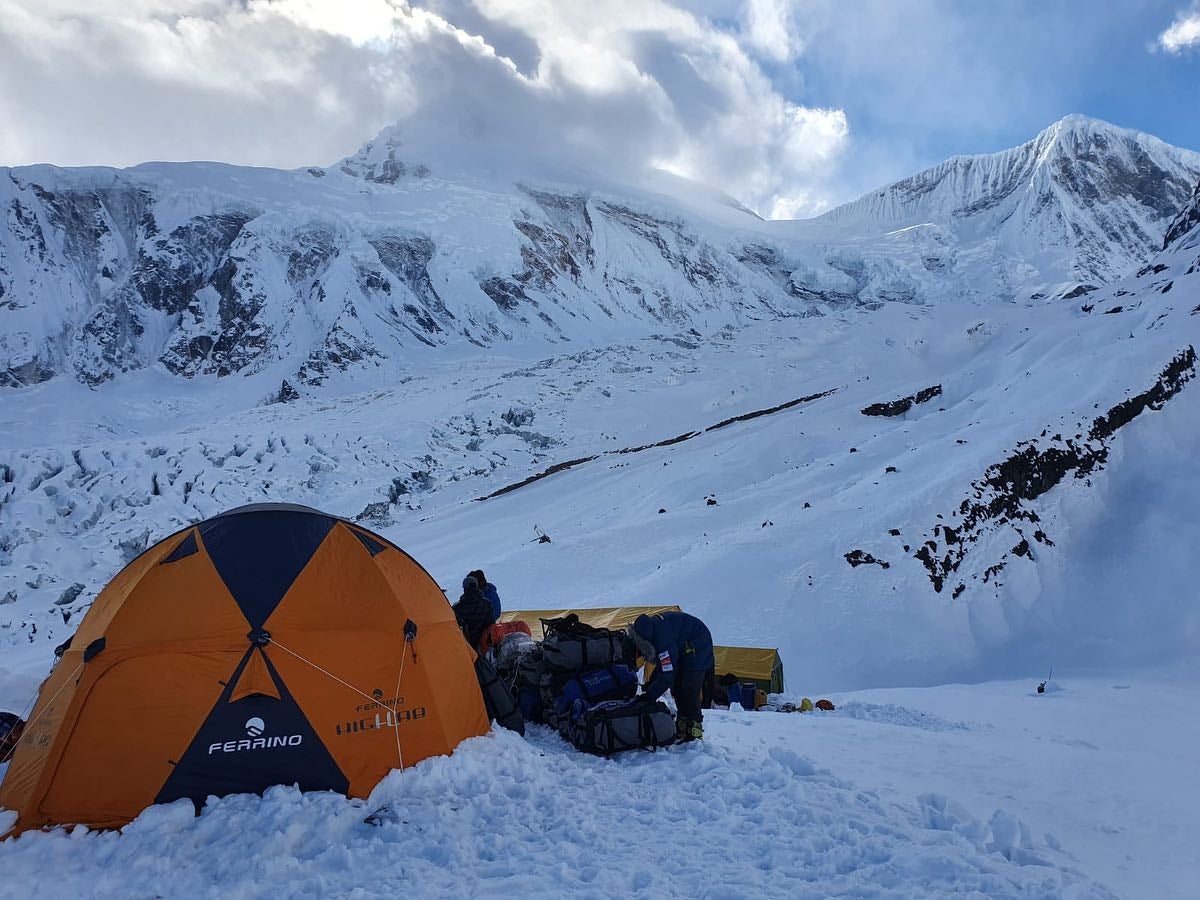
(615, 682)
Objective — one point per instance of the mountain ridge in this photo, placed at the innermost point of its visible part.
(204, 269)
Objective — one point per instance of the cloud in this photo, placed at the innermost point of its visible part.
(1183, 33)
(770, 28)
(609, 85)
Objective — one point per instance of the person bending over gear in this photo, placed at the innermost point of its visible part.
(681, 647)
(473, 611)
(489, 591)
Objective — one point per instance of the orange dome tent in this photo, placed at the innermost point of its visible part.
(272, 644)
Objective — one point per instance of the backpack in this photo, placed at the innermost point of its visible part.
(572, 646)
(500, 705)
(496, 633)
(511, 647)
(526, 671)
(596, 686)
(620, 725)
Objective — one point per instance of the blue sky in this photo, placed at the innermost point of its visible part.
(922, 81)
(791, 106)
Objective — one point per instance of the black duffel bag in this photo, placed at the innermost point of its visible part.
(497, 699)
(620, 725)
(572, 646)
(527, 671)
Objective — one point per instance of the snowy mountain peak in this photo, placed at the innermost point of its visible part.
(1083, 192)
(201, 269)
(380, 160)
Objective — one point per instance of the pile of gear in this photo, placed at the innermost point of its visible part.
(582, 681)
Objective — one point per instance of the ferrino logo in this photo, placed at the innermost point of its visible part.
(255, 728)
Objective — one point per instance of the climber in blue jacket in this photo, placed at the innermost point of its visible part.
(681, 648)
(489, 591)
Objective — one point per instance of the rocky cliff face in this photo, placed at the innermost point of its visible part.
(1183, 230)
(209, 270)
(104, 272)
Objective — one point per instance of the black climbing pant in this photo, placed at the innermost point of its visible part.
(687, 691)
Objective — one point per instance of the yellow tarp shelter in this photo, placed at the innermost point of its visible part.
(602, 617)
(758, 664)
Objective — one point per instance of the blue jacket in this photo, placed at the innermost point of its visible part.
(489, 591)
(682, 643)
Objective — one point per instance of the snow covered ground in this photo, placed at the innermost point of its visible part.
(964, 790)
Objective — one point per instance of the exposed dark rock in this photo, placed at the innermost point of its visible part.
(668, 442)
(171, 269)
(679, 247)
(1079, 291)
(858, 558)
(745, 417)
(407, 257)
(517, 418)
(377, 514)
(287, 393)
(1002, 494)
(70, 595)
(904, 404)
(341, 349)
(506, 293)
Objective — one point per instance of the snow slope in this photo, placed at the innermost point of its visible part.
(1028, 499)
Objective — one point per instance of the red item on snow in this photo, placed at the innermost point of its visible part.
(495, 634)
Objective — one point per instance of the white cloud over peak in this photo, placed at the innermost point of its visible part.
(770, 29)
(1183, 33)
(609, 85)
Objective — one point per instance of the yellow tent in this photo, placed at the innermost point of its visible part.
(758, 664)
(602, 617)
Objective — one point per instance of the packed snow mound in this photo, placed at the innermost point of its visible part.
(728, 817)
(1078, 206)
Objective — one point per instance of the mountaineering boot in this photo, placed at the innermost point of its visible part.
(681, 728)
(688, 730)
